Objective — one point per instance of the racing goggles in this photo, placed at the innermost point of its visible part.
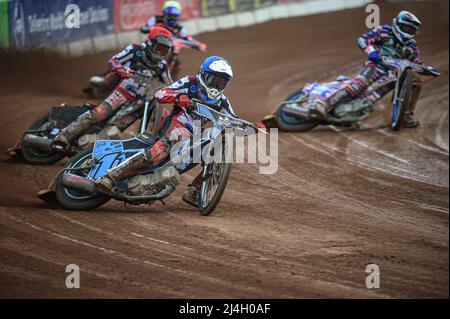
(411, 30)
(161, 46)
(215, 82)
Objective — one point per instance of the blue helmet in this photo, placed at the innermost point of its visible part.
(213, 78)
(171, 12)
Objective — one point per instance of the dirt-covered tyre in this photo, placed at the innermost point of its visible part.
(214, 185)
(291, 124)
(38, 157)
(403, 100)
(73, 199)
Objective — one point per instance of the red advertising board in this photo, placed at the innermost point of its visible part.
(191, 9)
(132, 14)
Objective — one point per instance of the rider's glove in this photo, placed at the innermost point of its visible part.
(261, 126)
(432, 71)
(202, 47)
(183, 101)
(145, 29)
(374, 56)
(125, 73)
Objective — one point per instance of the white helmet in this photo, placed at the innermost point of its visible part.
(405, 26)
(213, 78)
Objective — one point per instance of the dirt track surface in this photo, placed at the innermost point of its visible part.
(340, 200)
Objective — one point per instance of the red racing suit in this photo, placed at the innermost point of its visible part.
(179, 125)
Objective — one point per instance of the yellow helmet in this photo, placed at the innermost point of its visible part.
(174, 4)
(171, 12)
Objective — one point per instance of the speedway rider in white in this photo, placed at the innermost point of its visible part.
(208, 86)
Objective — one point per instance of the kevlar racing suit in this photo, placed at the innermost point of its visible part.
(179, 125)
(376, 43)
(131, 58)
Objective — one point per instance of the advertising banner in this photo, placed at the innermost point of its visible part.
(47, 22)
(191, 9)
(4, 24)
(241, 5)
(133, 14)
(215, 7)
(219, 7)
(263, 3)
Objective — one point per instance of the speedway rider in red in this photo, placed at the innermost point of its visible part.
(397, 41)
(169, 20)
(208, 86)
(148, 59)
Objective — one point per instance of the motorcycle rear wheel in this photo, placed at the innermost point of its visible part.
(38, 157)
(73, 199)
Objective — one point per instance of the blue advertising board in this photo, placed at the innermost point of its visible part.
(44, 23)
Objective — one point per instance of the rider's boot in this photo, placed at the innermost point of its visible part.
(191, 195)
(319, 110)
(74, 129)
(349, 91)
(131, 167)
(408, 120)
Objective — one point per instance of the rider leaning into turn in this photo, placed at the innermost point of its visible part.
(148, 59)
(396, 40)
(208, 86)
(169, 19)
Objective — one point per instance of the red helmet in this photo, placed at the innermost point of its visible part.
(159, 43)
(159, 32)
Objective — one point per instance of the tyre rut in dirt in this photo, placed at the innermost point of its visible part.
(291, 124)
(38, 157)
(73, 199)
(404, 98)
(214, 185)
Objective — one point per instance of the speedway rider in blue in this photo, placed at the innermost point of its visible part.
(397, 41)
(208, 86)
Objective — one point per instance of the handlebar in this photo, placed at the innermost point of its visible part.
(402, 64)
(221, 119)
(142, 75)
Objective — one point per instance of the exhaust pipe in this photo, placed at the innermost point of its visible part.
(79, 183)
(38, 142)
(86, 185)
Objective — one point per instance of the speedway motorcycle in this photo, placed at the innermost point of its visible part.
(37, 144)
(75, 190)
(102, 85)
(294, 114)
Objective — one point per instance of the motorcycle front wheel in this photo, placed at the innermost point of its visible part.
(402, 101)
(214, 183)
